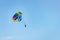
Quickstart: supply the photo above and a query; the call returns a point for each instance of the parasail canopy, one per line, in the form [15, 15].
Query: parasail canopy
[17, 17]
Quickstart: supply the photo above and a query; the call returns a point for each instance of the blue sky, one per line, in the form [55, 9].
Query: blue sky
[42, 18]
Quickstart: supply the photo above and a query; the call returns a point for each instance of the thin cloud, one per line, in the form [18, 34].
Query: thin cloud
[6, 38]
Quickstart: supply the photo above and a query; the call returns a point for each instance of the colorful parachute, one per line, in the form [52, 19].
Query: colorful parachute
[18, 17]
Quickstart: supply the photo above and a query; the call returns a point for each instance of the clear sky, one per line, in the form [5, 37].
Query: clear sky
[42, 18]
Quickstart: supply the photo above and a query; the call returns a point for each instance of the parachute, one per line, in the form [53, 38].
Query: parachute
[18, 17]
